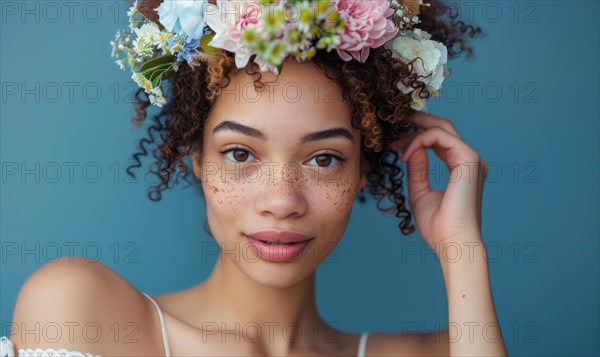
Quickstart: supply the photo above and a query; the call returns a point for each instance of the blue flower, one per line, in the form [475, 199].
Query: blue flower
[184, 17]
[169, 16]
[189, 49]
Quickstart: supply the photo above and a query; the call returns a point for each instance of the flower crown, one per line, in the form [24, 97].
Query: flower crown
[269, 31]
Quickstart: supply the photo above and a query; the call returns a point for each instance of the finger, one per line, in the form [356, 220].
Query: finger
[484, 171]
[424, 121]
[428, 121]
[418, 175]
[462, 187]
[448, 147]
[481, 170]
[402, 143]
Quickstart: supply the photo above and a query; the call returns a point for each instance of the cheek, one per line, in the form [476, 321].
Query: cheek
[335, 193]
[224, 196]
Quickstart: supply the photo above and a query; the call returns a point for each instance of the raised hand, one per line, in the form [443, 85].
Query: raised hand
[453, 215]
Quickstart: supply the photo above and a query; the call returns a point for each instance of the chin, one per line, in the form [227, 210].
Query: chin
[278, 274]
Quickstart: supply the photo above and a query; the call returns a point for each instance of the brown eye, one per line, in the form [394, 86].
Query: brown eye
[237, 155]
[327, 161]
[323, 160]
[240, 155]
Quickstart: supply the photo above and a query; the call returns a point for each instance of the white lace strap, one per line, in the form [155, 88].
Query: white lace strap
[7, 350]
[6, 347]
[362, 344]
[49, 352]
[162, 325]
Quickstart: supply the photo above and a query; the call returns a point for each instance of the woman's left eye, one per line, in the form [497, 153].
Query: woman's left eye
[326, 160]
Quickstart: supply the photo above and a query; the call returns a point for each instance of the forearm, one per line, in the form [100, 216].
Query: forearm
[473, 328]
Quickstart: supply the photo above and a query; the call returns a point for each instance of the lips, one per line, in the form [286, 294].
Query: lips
[278, 246]
[279, 237]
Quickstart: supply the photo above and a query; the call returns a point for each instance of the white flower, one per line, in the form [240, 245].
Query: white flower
[132, 61]
[138, 78]
[419, 35]
[176, 45]
[162, 40]
[148, 38]
[156, 97]
[432, 55]
[150, 32]
[121, 63]
[133, 9]
[143, 48]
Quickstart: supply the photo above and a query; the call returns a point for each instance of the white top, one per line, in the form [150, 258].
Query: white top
[362, 344]
[163, 327]
[7, 348]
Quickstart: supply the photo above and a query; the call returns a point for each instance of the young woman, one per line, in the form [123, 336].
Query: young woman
[286, 121]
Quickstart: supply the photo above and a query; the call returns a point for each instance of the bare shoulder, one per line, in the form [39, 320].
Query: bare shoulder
[85, 306]
[405, 344]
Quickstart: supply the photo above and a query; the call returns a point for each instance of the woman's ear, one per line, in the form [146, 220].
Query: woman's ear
[365, 168]
[363, 182]
[197, 164]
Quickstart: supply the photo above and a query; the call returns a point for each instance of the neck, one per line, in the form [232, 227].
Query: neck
[281, 319]
[250, 301]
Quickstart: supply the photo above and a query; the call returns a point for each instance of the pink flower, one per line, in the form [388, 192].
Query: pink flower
[368, 25]
[228, 22]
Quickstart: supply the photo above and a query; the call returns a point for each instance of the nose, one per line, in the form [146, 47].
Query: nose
[282, 196]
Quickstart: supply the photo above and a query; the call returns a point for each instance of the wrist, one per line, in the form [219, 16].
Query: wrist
[471, 268]
[461, 252]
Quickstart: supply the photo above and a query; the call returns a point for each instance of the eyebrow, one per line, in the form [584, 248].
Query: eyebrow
[239, 128]
[328, 134]
[311, 137]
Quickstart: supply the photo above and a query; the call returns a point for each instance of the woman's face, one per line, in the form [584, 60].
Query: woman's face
[286, 159]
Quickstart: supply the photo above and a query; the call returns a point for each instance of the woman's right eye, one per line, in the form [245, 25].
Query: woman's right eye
[237, 155]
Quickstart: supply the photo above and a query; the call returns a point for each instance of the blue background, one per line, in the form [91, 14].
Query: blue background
[532, 114]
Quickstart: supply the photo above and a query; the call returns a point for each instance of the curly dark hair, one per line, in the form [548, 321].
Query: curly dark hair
[379, 109]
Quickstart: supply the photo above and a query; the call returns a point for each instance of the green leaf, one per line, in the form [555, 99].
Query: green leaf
[156, 81]
[166, 59]
[169, 74]
[148, 72]
[160, 74]
[206, 47]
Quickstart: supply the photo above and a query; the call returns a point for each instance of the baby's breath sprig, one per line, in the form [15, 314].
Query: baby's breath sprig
[151, 56]
[406, 13]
